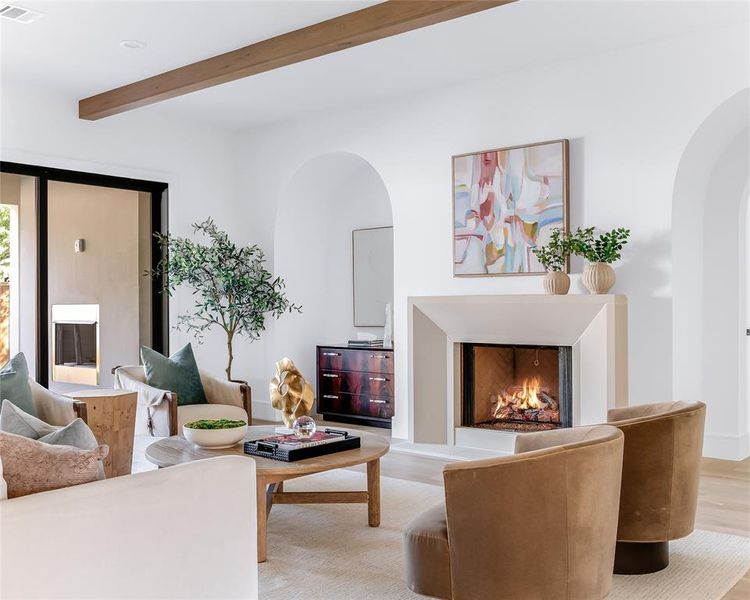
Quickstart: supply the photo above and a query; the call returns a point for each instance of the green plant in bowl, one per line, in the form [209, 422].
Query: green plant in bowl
[215, 433]
[215, 424]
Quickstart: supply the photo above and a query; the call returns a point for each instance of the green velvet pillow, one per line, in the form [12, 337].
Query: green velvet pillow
[178, 374]
[14, 384]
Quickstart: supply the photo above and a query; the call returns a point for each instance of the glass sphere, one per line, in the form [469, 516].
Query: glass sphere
[304, 427]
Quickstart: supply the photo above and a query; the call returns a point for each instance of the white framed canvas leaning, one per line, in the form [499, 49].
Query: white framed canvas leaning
[506, 202]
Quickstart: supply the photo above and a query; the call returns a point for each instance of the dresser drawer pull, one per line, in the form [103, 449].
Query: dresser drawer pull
[377, 379]
[378, 401]
[331, 353]
[381, 356]
[330, 375]
[330, 396]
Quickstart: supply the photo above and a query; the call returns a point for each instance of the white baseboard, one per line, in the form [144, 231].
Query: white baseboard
[726, 446]
[265, 412]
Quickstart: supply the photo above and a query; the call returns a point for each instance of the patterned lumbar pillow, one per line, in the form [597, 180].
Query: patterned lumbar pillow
[178, 374]
[14, 384]
[29, 466]
[77, 433]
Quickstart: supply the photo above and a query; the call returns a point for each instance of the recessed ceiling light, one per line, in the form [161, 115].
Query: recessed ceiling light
[133, 44]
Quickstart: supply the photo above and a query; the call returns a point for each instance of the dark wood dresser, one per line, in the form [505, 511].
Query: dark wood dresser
[355, 385]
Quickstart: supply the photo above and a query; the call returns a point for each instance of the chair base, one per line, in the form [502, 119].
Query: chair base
[639, 558]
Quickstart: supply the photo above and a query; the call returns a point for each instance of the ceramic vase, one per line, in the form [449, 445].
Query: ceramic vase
[598, 277]
[556, 283]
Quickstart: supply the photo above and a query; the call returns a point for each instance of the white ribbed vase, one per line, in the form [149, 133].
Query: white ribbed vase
[598, 277]
[556, 283]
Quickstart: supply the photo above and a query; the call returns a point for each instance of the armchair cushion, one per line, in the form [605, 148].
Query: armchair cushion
[52, 408]
[30, 466]
[14, 383]
[178, 373]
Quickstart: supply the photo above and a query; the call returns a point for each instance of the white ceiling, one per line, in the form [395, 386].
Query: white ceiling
[75, 47]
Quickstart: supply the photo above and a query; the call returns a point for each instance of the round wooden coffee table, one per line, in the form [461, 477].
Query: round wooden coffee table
[271, 474]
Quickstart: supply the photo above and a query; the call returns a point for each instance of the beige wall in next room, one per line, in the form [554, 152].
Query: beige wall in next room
[108, 272]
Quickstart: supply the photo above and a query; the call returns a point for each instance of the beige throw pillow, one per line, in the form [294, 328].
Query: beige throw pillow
[30, 466]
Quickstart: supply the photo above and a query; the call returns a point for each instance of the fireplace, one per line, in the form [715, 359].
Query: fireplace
[75, 344]
[515, 387]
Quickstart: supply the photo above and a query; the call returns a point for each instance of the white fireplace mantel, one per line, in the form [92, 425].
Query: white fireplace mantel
[595, 326]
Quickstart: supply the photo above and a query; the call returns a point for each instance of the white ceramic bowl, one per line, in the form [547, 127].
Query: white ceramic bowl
[215, 439]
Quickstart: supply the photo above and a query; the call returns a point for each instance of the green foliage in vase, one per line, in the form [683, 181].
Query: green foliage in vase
[605, 247]
[554, 254]
[231, 286]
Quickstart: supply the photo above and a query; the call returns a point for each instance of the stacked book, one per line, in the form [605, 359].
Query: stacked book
[366, 343]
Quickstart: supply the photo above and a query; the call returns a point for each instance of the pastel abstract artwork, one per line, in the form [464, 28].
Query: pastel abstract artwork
[505, 203]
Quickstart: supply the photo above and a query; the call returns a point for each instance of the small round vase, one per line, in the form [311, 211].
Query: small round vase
[556, 283]
[598, 277]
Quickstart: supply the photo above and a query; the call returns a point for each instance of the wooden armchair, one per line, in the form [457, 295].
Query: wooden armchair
[159, 413]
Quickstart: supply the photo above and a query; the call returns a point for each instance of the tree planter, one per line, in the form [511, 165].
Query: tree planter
[556, 283]
[598, 277]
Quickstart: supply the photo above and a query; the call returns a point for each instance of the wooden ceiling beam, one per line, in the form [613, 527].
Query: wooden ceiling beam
[352, 29]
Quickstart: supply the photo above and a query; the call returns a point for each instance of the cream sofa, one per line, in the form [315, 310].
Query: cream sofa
[184, 532]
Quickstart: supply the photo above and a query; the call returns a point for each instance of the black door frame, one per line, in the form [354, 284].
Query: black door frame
[159, 223]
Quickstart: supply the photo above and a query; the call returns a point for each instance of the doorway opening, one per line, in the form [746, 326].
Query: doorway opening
[84, 300]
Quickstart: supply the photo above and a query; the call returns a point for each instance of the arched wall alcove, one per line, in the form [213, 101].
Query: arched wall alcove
[709, 253]
[323, 202]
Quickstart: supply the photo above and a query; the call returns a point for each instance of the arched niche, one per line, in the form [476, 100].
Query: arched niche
[325, 199]
[709, 255]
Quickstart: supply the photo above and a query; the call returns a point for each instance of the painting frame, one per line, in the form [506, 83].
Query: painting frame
[565, 191]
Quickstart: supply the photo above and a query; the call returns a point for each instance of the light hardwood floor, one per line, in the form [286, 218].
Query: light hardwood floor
[723, 501]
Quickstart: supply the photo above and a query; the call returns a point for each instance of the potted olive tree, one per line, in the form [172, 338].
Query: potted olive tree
[554, 257]
[232, 289]
[600, 252]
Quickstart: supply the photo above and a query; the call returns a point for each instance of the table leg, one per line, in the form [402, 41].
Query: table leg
[373, 493]
[262, 518]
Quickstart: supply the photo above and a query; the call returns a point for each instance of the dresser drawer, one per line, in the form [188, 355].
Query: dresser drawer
[378, 385]
[370, 360]
[357, 405]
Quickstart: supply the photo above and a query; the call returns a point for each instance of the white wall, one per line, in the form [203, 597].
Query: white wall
[323, 202]
[723, 313]
[708, 274]
[629, 115]
[40, 126]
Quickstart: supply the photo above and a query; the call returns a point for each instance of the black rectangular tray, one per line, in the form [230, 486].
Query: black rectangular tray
[275, 453]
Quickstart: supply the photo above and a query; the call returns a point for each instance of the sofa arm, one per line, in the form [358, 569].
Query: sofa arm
[184, 532]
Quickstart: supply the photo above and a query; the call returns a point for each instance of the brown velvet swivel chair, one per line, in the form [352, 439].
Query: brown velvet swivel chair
[538, 524]
[660, 473]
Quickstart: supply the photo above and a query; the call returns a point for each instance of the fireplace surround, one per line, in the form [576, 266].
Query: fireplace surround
[593, 327]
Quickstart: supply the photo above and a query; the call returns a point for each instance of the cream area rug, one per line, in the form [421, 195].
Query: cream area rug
[327, 552]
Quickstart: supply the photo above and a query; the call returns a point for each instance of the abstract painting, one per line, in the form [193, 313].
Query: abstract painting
[505, 203]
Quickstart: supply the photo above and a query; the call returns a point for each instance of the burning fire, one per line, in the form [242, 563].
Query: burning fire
[526, 402]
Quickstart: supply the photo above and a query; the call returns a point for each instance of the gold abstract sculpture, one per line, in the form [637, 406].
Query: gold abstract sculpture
[290, 393]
